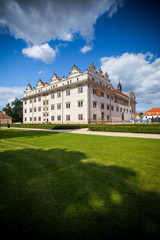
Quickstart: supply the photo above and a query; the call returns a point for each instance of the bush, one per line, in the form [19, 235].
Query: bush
[49, 126]
[70, 126]
[132, 128]
[66, 126]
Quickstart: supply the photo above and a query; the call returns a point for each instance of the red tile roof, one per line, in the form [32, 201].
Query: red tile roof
[121, 92]
[152, 111]
[4, 116]
[137, 114]
[44, 83]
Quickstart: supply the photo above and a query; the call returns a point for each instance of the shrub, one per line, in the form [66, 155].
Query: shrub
[132, 128]
[49, 126]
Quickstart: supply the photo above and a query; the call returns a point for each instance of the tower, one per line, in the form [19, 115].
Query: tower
[119, 87]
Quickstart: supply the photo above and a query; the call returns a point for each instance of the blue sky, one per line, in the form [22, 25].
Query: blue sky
[38, 38]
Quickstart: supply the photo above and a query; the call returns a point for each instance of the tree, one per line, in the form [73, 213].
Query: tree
[141, 114]
[8, 110]
[15, 110]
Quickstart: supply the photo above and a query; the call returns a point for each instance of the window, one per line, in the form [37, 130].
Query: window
[107, 95]
[30, 118]
[80, 90]
[52, 95]
[39, 99]
[94, 117]
[94, 91]
[93, 79]
[25, 102]
[102, 105]
[25, 110]
[102, 94]
[52, 118]
[68, 105]
[31, 101]
[39, 109]
[80, 116]
[30, 109]
[117, 109]
[45, 114]
[67, 92]
[102, 116]
[35, 109]
[120, 109]
[67, 117]
[112, 108]
[107, 117]
[94, 104]
[35, 100]
[58, 94]
[107, 106]
[25, 119]
[59, 117]
[52, 107]
[80, 103]
[35, 119]
[58, 105]
[77, 79]
[39, 118]
[111, 97]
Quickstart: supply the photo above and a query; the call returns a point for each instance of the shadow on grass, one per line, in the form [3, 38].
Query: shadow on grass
[13, 133]
[57, 194]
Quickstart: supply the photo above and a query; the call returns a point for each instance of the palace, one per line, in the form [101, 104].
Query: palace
[82, 97]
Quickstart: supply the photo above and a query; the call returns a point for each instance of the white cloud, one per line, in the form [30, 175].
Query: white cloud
[7, 95]
[86, 49]
[139, 72]
[43, 52]
[41, 21]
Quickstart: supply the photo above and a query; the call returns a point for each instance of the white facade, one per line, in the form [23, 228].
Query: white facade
[82, 97]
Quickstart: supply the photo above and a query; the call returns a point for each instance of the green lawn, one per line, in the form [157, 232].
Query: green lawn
[72, 186]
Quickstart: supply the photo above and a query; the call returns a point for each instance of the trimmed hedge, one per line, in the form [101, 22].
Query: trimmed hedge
[131, 128]
[40, 126]
[67, 126]
[49, 126]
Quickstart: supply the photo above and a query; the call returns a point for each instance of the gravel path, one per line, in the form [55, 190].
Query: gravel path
[85, 131]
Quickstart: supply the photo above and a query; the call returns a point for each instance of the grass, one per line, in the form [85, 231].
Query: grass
[71, 186]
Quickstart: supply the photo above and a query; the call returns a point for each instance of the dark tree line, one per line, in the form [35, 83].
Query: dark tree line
[14, 110]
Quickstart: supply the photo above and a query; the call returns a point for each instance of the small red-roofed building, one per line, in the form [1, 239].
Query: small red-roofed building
[137, 116]
[153, 113]
[5, 119]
